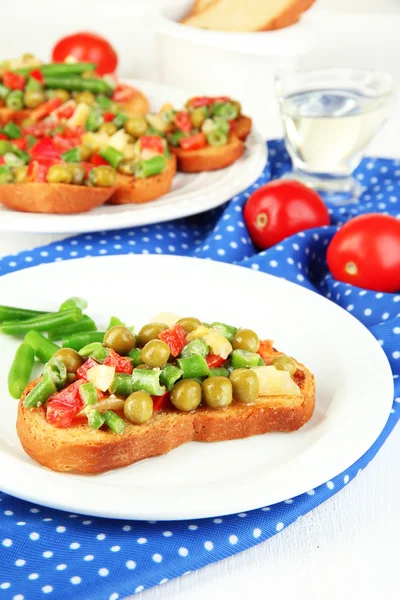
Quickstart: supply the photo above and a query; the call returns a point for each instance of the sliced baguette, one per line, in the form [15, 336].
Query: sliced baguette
[243, 127]
[138, 191]
[79, 449]
[248, 15]
[209, 158]
[53, 198]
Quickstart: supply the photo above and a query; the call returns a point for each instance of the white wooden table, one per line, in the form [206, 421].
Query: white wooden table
[348, 547]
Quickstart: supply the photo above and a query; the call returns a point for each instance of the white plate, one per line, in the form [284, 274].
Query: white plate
[190, 194]
[354, 389]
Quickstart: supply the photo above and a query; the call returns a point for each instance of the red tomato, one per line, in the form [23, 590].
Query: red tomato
[266, 351]
[3, 136]
[193, 142]
[38, 75]
[108, 116]
[123, 93]
[98, 160]
[366, 252]
[36, 171]
[44, 148]
[152, 142]
[87, 47]
[214, 361]
[63, 407]
[161, 402]
[182, 121]
[175, 338]
[280, 209]
[14, 81]
[200, 101]
[122, 365]
[21, 143]
[45, 109]
[83, 369]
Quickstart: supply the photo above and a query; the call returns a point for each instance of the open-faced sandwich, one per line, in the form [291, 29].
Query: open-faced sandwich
[123, 397]
[69, 157]
[26, 84]
[207, 135]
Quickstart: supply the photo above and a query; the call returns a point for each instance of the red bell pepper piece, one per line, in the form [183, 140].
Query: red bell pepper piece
[98, 160]
[63, 407]
[183, 121]
[161, 402]
[266, 351]
[122, 365]
[45, 109]
[221, 99]
[232, 125]
[83, 369]
[37, 171]
[37, 75]
[108, 116]
[155, 143]
[44, 148]
[88, 167]
[40, 129]
[123, 93]
[14, 81]
[3, 136]
[193, 142]
[2, 161]
[200, 101]
[65, 111]
[21, 143]
[175, 338]
[214, 361]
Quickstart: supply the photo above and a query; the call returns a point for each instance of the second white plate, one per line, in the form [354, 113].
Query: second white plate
[190, 194]
[198, 479]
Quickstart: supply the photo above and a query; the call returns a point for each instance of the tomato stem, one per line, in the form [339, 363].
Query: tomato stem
[261, 220]
[351, 268]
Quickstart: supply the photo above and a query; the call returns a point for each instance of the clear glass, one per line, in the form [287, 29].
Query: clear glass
[329, 117]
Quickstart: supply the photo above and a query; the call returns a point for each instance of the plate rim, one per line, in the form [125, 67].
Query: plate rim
[180, 513]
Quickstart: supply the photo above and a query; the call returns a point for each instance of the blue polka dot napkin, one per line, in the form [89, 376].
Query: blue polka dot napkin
[48, 553]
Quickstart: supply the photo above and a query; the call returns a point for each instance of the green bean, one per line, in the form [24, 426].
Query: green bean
[79, 340]
[20, 370]
[45, 322]
[114, 422]
[88, 393]
[15, 100]
[86, 324]
[121, 385]
[100, 354]
[135, 355]
[89, 348]
[43, 348]
[78, 84]
[74, 302]
[60, 69]
[57, 371]
[41, 392]
[115, 321]
[13, 313]
[147, 381]
[95, 419]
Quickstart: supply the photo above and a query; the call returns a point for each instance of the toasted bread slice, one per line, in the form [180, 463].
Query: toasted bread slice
[54, 198]
[79, 449]
[248, 15]
[137, 105]
[243, 127]
[200, 5]
[138, 191]
[8, 114]
[209, 158]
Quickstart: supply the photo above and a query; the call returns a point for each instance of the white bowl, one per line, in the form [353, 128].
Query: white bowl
[241, 65]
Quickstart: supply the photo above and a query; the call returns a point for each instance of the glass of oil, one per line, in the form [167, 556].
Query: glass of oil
[329, 118]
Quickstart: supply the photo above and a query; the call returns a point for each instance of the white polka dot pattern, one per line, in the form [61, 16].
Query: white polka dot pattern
[46, 553]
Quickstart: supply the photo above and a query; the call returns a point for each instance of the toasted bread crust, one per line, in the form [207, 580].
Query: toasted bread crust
[243, 127]
[210, 158]
[288, 17]
[138, 191]
[53, 198]
[80, 450]
[137, 105]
